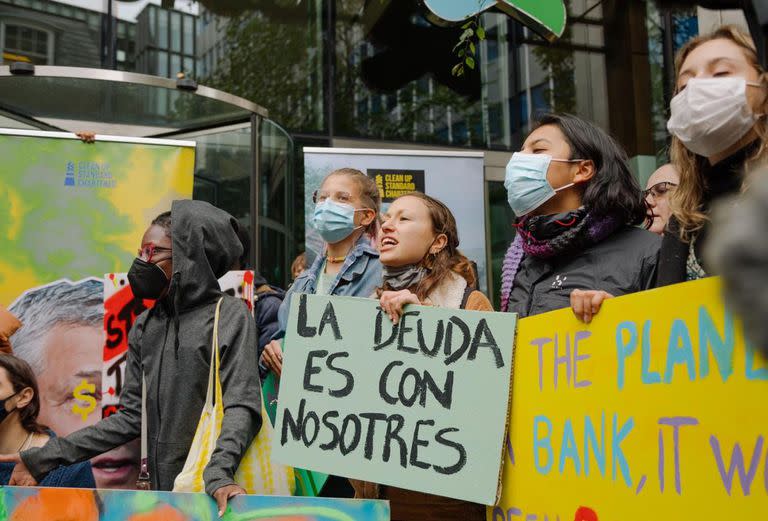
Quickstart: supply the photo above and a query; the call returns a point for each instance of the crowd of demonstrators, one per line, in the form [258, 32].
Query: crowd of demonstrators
[182, 255]
[419, 244]
[657, 192]
[62, 339]
[719, 134]
[20, 429]
[586, 232]
[578, 207]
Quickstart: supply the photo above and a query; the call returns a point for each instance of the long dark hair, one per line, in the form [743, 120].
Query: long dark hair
[21, 376]
[613, 190]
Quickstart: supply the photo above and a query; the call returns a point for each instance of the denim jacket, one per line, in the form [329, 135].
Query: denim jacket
[359, 276]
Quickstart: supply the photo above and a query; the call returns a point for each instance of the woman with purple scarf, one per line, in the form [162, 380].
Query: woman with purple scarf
[578, 207]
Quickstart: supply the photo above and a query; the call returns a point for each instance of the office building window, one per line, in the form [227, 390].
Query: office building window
[175, 31]
[24, 43]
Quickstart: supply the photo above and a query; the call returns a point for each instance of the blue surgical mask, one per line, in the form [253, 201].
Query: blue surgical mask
[334, 221]
[526, 181]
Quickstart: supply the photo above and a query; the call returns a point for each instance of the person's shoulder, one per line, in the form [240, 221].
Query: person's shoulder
[139, 324]
[77, 475]
[638, 240]
[477, 301]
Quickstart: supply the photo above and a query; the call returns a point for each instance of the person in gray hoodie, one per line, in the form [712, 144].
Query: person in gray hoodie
[179, 264]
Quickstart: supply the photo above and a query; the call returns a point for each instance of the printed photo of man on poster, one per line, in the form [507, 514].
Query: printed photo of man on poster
[62, 338]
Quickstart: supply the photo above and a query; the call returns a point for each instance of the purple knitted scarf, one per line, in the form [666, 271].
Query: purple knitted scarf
[567, 234]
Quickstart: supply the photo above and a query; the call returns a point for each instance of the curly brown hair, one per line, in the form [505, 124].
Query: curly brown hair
[449, 259]
[688, 196]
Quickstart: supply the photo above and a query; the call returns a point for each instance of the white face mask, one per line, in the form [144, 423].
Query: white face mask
[711, 114]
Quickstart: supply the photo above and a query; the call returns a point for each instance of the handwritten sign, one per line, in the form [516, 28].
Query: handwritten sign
[394, 183]
[421, 405]
[657, 410]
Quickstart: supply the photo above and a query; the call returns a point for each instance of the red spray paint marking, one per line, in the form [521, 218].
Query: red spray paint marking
[585, 514]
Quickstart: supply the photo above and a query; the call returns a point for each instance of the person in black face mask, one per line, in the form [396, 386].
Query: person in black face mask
[181, 257]
[20, 430]
[151, 272]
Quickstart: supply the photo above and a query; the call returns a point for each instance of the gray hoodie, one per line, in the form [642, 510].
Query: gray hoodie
[205, 246]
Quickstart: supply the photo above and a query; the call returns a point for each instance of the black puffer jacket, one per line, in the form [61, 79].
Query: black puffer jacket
[623, 263]
[205, 245]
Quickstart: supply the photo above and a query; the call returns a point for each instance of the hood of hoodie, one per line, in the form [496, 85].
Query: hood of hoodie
[205, 247]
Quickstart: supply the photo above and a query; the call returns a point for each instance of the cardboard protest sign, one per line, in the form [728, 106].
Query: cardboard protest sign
[657, 410]
[421, 405]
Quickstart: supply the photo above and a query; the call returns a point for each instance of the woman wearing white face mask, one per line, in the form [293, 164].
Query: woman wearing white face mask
[719, 131]
[577, 205]
[347, 206]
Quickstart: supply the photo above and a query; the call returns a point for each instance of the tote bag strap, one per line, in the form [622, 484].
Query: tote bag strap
[214, 382]
[143, 481]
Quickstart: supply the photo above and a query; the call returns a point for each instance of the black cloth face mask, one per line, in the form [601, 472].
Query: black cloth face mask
[3, 412]
[147, 280]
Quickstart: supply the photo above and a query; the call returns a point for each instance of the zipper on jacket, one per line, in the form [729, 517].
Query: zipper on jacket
[157, 403]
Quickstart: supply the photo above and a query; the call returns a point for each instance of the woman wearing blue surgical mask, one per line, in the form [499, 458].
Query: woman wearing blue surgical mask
[347, 206]
[578, 207]
[719, 128]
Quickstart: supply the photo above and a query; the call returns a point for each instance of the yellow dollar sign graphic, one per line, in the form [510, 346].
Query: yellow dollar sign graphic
[86, 402]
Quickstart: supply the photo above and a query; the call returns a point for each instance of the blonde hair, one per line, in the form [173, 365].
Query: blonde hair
[686, 200]
[369, 194]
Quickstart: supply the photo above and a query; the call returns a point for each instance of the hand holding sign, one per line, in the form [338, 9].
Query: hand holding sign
[272, 357]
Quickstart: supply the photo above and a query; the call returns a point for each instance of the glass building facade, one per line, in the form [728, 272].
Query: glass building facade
[372, 73]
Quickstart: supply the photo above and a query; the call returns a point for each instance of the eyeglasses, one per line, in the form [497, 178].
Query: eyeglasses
[320, 196]
[659, 189]
[147, 251]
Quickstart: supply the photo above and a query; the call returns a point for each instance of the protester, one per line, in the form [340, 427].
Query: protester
[20, 430]
[9, 324]
[299, 265]
[660, 186]
[577, 205]
[719, 131]
[422, 265]
[62, 339]
[179, 264]
[418, 249]
[347, 206]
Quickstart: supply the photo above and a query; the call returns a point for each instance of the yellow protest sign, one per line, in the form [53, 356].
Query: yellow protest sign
[656, 410]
